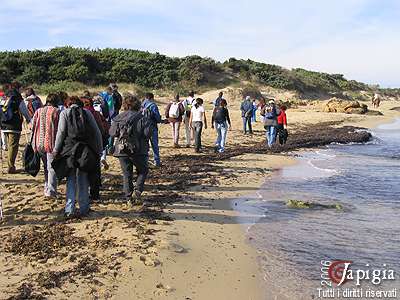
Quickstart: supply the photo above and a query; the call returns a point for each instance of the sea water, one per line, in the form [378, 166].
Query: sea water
[365, 180]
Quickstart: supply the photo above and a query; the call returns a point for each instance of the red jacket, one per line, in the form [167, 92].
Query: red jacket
[282, 118]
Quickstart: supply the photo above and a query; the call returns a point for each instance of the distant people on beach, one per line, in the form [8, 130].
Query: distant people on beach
[247, 110]
[254, 112]
[174, 113]
[198, 120]
[188, 104]
[220, 121]
[282, 125]
[132, 131]
[150, 110]
[271, 122]
[376, 100]
[217, 101]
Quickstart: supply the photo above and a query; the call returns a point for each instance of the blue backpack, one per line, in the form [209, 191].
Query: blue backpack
[7, 112]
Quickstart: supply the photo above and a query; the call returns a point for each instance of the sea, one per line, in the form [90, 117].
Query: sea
[297, 246]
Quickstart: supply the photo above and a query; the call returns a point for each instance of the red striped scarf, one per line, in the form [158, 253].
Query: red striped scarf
[44, 128]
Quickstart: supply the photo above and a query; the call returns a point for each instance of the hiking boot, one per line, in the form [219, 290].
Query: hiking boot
[12, 170]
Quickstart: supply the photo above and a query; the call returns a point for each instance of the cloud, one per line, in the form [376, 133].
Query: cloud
[354, 37]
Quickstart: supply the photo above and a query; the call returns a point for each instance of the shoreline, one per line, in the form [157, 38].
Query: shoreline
[189, 245]
[368, 124]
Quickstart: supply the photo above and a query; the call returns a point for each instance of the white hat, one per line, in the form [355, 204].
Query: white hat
[247, 97]
[271, 101]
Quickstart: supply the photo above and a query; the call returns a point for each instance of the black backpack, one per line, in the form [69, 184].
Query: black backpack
[219, 115]
[128, 139]
[77, 121]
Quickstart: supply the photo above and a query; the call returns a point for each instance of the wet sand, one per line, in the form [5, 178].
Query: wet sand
[188, 245]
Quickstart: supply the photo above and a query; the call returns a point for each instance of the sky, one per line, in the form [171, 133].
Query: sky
[357, 38]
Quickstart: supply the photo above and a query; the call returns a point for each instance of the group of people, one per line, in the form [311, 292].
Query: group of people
[273, 117]
[73, 135]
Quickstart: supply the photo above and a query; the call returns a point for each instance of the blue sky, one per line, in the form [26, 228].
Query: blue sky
[358, 38]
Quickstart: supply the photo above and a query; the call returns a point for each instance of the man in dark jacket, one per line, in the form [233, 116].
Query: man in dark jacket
[116, 97]
[247, 110]
[11, 123]
[132, 131]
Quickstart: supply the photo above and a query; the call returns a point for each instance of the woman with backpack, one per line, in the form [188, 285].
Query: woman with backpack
[44, 131]
[132, 131]
[77, 150]
[174, 113]
[198, 120]
[104, 127]
[221, 120]
[282, 125]
[270, 123]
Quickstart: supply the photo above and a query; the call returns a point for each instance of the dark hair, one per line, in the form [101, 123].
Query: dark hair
[62, 98]
[52, 99]
[30, 91]
[109, 89]
[199, 102]
[113, 86]
[177, 97]
[283, 107]
[191, 93]
[73, 100]
[223, 103]
[149, 96]
[86, 94]
[131, 102]
[221, 93]
[15, 85]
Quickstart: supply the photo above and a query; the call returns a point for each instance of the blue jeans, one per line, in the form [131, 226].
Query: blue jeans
[247, 123]
[154, 146]
[271, 135]
[77, 186]
[50, 178]
[222, 129]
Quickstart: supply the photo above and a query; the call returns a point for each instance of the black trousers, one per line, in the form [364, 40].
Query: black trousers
[140, 162]
[95, 183]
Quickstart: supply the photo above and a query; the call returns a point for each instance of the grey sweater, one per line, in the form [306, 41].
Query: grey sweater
[95, 141]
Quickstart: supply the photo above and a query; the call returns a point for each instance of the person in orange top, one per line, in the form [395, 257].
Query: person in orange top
[282, 125]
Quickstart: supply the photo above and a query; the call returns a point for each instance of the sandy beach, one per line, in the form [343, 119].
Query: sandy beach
[189, 245]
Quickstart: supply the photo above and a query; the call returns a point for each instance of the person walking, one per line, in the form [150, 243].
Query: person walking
[132, 131]
[220, 120]
[218, 100]
[188, 104]
[11, 123]
[104, 127]
[77, 149]
[150, 110]
[44, 130]
[254, 112]
[282, 125]
[174, 113]
[270, 123]
[198, 120]
[117, 98]
[247, 109]
[30, 105]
